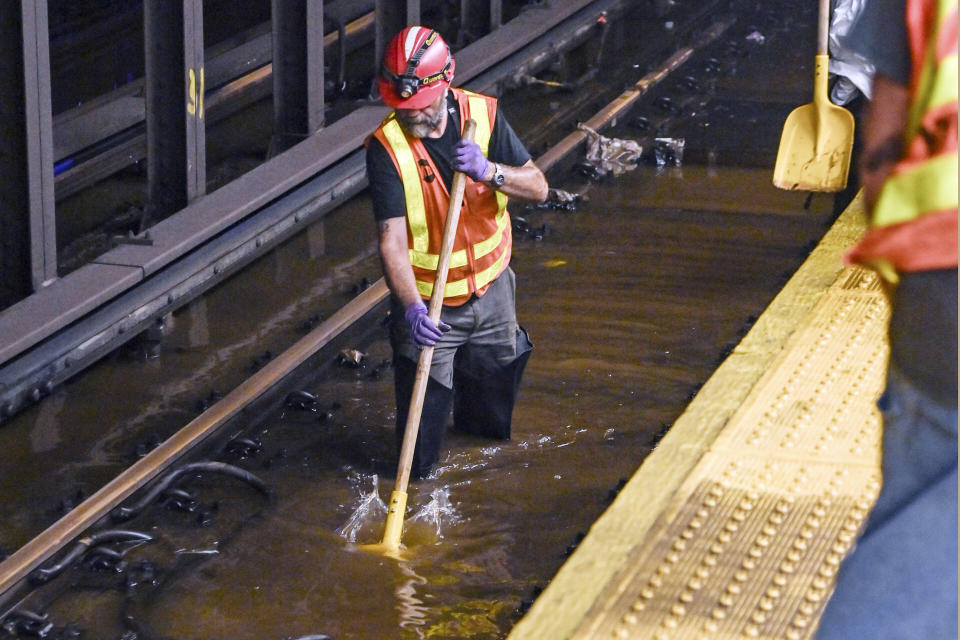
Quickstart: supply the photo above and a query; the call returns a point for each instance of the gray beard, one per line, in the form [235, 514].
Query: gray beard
[421, 129]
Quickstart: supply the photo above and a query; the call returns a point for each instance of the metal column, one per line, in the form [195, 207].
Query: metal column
[477, 18]
[176, 138]
[392, 16]
[496, 14]
[297, 71]
[28, 249]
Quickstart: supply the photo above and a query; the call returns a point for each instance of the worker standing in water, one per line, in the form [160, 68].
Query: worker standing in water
[479, 349]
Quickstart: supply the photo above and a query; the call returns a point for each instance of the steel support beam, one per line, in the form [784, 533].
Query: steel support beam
[496, 14]
[176, 142]
[476, 19]
[28, 234]
[297, 71]
[14, 194]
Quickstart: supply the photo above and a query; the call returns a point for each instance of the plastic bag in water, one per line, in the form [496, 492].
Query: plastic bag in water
[668, 152]
[611, 155]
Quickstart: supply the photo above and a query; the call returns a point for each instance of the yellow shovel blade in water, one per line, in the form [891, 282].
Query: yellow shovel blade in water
[816, 143]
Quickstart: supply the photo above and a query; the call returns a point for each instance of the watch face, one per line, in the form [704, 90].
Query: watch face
[498, 177]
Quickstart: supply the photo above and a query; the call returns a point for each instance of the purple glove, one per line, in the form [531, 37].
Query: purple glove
[425, 332]
[469, 160]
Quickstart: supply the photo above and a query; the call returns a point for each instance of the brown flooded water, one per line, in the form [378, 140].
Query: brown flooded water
[631, 300]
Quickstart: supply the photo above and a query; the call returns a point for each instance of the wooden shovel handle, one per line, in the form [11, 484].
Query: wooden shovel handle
[823, 30]
[436, 304]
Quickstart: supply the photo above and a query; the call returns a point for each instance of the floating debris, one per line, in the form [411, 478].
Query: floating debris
[611, 155]
[302, 400]
[361, 286]
[310, 323]
[712, 65]
[641, 123]
[590, 171]
[244, 447]
[558, 199]
[668, 152]
[692, 83]
[353, 358]
[666, 103]
[525, 229]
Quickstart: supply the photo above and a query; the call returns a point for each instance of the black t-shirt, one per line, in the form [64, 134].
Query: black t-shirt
[386, 188]
[923, 332]
[880, 36]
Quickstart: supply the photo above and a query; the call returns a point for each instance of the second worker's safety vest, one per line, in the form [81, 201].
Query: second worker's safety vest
[481, 248]
[914, 223]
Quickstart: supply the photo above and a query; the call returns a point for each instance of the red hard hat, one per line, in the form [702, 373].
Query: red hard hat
[417, 67]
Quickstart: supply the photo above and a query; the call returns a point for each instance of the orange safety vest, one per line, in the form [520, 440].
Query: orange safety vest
[914, 224]
[481, 248]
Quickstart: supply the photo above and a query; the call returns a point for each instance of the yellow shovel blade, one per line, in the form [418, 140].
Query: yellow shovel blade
[815, 149]
[816, 143]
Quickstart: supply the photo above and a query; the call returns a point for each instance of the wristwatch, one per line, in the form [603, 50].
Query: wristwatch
[497, 180]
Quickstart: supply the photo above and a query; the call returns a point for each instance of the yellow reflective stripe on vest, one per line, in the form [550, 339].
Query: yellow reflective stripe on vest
[430, 261]
[478, 111]
[936, 89]
[944, 89]
[452, 290]
[485, 277]
[938, 80]
[412, 191]
[928, 187]
[484, 247]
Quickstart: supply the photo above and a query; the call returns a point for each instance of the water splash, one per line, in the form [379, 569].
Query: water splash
[365, 524]
[431, 519]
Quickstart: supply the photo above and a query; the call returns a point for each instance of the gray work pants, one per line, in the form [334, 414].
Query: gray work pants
[486, 324]
[477, 366]
[901, 581]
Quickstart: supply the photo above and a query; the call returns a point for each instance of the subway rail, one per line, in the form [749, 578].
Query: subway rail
[98, 541]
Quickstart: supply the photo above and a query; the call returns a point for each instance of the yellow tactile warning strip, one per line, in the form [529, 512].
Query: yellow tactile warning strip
[773, 507]
[735, 526]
